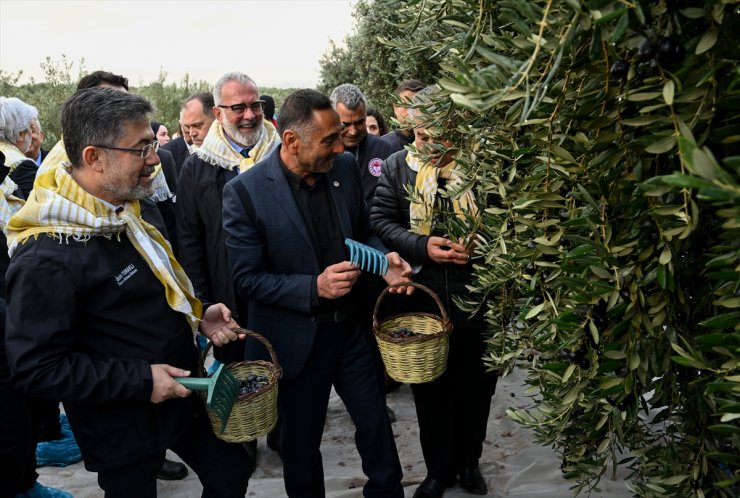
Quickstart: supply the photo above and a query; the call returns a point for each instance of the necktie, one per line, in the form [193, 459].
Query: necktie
[245, 151]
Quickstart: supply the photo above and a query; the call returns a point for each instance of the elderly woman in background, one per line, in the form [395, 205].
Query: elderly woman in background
[453, 409]
[16, 118]
[375, 123]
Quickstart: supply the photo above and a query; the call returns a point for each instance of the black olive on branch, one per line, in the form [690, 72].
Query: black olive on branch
[619, 70]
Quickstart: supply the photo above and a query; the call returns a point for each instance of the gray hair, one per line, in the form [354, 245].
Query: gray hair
[349, 95]
[15, 118]
[98, 116]
[234, 76]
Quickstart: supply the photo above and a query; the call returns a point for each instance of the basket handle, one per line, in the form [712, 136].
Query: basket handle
[250, 333]
[406, 284]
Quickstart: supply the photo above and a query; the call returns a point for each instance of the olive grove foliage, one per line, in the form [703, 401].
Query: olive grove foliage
[602, 137]
[60, 81]
[365, 59]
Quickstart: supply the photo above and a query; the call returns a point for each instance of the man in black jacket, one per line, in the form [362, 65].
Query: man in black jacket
[286, 221]
[453, 409]
[196, 117]
[369, 151]
[239, 138]
[119, 313]
[36, 153]
[398, 139]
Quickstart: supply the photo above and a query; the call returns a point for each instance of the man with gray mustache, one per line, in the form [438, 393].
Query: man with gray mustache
[236, 140]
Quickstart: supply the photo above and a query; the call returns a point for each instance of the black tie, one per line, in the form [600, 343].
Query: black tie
[245, 151]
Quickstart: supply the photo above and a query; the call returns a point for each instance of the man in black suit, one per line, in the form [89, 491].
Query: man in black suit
[36, 152]
[286, 220]
[196, 117]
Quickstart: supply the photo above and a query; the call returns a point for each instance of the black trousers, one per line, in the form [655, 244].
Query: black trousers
[340, 356]
[223, 468]
[17, 446]
[453, 409]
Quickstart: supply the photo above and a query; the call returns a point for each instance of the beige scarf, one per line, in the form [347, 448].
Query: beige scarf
[421, 209]
[13, 155]
[217, 150]
[60, 208]
[9, 204]
[58, 156]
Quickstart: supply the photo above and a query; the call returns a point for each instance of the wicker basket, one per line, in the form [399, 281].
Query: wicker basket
[253, 414]
[416, 359]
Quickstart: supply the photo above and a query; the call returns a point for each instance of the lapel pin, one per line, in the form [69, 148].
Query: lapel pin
[336, 183]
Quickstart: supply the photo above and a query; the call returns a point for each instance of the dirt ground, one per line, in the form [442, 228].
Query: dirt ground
[514, 466]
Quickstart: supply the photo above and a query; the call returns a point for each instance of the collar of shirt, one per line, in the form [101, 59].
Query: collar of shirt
[238, 148]
[38, 158]
[115, 208]
[295, 181]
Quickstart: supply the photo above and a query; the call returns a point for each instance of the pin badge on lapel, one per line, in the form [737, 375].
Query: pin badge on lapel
[336, 183]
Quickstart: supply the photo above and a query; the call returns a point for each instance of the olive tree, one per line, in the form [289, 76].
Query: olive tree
[602, 139]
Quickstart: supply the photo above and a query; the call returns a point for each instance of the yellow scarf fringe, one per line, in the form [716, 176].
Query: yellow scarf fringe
[59, 207]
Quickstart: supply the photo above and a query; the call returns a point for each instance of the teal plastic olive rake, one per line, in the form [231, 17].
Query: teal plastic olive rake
[367, 258]
[223, 391]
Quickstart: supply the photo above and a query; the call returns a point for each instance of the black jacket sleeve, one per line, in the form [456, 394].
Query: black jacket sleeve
[191, 232]
[24, 175]
[390, 211]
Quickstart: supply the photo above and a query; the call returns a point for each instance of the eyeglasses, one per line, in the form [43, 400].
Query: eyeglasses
[256, 107]
[144, 152]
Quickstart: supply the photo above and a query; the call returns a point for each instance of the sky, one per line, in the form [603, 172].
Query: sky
[277, 43]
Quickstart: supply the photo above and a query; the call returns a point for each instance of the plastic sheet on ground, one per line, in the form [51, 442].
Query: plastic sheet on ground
[514, 466]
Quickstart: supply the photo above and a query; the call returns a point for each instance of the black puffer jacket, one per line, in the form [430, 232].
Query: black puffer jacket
[391, 221]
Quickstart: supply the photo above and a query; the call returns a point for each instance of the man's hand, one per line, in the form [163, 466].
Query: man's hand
[399, 271]
[164, 386]
[218, 325]
[442, 250]
[337, 280]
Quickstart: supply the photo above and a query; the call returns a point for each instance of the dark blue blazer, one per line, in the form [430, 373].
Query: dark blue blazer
[272, 256]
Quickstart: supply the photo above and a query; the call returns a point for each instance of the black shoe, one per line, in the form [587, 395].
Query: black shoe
[432, 488]
[472, 481]
[172, 471]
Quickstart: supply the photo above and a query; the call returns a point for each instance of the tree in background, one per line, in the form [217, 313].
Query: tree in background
[370, 60]
[603, 139]
[60, 82]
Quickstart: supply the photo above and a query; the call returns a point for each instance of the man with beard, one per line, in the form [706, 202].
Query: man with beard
[369, 151]
[286, 221]
[238, 138]
[119, 313]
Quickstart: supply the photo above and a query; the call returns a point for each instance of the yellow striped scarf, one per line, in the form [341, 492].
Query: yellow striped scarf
[13, 155]
[60, 208]
[217, 150]
[421, 209]
[9, 204]
[57, 156]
